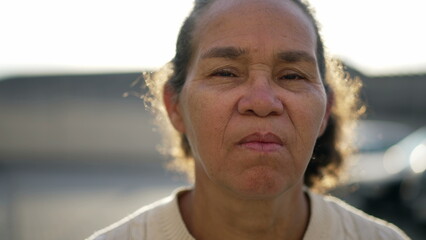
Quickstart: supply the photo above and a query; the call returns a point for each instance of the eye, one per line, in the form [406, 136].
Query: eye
[292, 76]
[223, 73]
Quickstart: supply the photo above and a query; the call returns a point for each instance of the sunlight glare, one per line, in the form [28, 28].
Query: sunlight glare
[418, 158]
[374, 36]
[128, 34]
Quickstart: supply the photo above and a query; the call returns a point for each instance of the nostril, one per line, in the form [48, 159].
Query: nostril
[250, 112]
[260, 98]
[260, 106]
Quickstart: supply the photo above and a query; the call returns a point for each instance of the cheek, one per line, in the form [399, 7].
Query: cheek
[205, 119]
[308, 115]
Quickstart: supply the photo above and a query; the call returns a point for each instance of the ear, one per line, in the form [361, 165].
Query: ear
[171, 103]
[330, 101]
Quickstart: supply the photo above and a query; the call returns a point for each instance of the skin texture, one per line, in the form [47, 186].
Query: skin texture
[252, 107]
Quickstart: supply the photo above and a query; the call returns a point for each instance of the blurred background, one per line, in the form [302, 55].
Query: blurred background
[76, 155]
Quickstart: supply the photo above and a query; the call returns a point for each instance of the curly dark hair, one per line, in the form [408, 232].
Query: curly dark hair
[330, 149]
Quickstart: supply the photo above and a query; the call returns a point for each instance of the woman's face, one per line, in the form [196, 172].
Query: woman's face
[253, 103]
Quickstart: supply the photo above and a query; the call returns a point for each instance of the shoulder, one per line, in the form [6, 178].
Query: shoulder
[331, 217]
[159, 217]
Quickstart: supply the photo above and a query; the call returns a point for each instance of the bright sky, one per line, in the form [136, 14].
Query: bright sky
[57, 36]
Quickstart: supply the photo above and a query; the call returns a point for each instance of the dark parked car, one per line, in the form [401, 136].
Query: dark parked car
[394, 178]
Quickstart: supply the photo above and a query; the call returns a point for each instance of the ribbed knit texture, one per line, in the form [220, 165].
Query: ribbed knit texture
[330, 219]
[171, 222]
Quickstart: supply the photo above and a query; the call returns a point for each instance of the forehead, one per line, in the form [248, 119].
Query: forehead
[260, 23]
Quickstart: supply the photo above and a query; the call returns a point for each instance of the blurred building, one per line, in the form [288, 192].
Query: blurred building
[399, 98]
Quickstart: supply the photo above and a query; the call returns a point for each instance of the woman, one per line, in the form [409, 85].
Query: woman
[259, 121]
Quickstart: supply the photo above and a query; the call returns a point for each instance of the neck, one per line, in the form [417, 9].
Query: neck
[214, 213]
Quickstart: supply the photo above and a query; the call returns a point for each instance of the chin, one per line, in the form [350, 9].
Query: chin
[262, 183]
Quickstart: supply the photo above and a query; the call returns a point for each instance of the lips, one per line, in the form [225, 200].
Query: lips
[267, 142]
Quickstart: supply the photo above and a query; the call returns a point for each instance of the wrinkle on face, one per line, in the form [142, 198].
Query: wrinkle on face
[259, 53]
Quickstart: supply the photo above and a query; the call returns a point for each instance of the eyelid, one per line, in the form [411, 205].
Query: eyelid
[291, 72]
[224, 70]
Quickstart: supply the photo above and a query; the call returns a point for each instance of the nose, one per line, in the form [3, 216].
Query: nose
[260, 99]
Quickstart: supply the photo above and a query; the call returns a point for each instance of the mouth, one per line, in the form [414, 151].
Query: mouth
[259, 142]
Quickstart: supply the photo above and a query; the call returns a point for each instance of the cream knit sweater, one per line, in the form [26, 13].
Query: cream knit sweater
[330, 219]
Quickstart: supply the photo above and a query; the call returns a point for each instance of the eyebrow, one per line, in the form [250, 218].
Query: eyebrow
[224, 52]
[234, 52]
[296, 56]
